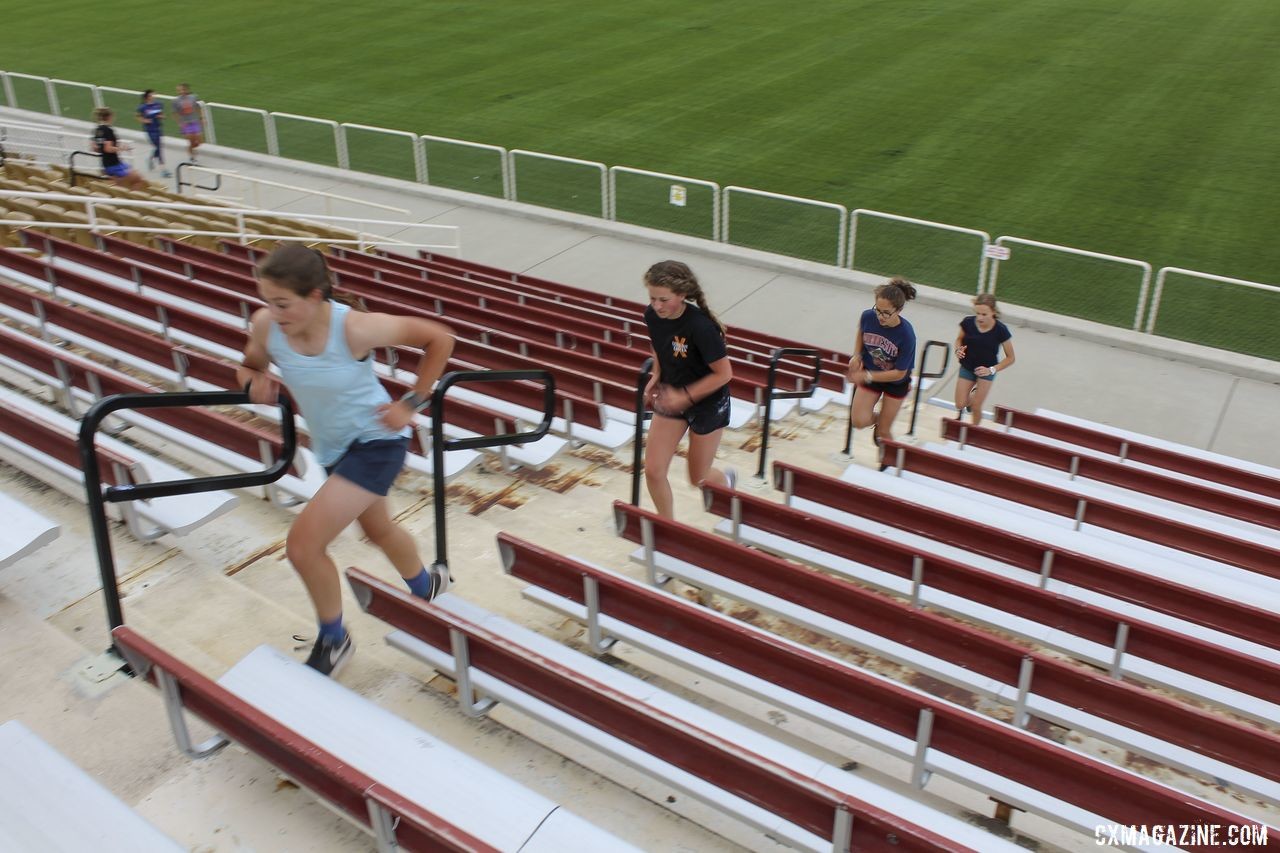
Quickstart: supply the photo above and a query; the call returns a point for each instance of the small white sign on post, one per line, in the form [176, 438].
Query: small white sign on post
[679, 195]
[1000, 253]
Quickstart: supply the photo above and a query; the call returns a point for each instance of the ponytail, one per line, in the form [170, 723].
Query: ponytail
[680, 280]
[898, 291]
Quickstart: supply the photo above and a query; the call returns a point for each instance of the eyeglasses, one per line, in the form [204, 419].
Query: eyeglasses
[880, 312]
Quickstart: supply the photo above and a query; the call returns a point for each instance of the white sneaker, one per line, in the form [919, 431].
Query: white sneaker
[440, 581]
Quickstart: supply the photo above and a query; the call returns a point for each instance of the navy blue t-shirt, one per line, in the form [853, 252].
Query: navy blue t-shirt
[153, 110]
[686, 346]
[887, 347]
[982, 349]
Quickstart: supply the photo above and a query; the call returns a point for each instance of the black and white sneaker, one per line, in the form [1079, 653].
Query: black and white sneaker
[329, 656]
[440, 581]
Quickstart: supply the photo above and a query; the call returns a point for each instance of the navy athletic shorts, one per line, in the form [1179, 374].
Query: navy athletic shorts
[372, 465]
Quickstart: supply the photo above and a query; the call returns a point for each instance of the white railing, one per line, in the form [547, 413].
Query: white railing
[451, 235]
[1158, 294]
[514, 186]
[923, 223]
[270, 143]
[255, 183]
[339, 144]
[503, 160]
[415, 145]
[1068, 250]
[842, 212]
[677, 187]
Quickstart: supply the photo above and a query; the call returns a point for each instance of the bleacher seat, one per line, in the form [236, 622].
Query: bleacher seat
[399, 782]
[49, 805]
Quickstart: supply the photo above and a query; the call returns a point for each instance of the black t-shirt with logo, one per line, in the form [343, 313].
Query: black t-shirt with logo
[106, 133]
[686, 346]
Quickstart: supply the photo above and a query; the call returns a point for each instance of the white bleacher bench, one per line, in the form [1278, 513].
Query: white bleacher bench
[411, 790]
[765, 771]
[146, 519]
[1237, 572]
[935, 735]
[24, 530]
[831, 557]
[1172, 446]
[1083, 719]
[49, 805]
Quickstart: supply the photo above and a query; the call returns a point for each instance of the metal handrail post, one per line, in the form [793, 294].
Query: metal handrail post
[97, 497]
[921, 374]
[439, 444]
[642, 414]
[770, 395]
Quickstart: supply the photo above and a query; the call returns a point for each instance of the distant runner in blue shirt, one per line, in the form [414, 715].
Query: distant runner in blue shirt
[884, 351]
[978, 346]
[151, 115]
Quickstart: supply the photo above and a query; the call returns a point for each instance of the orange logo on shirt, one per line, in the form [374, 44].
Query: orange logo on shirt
[679, 347]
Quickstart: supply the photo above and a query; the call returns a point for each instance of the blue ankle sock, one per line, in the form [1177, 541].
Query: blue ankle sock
[420, 584]
[333, 631]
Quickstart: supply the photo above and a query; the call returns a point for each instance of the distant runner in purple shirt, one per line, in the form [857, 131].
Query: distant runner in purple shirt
[186, 109]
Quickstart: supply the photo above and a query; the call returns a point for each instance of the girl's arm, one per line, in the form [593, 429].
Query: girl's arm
[252, 373]
[1008, 360]
[960, 347]
[369, 331]
[720, 375]
[855, 361]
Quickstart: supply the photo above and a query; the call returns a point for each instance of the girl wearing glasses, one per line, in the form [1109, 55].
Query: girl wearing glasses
[978, 346]
[884, 350]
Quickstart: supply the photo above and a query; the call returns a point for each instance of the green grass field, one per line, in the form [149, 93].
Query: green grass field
[1141, 128]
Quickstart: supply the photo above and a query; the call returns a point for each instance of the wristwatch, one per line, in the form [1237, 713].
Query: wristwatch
[415, 400]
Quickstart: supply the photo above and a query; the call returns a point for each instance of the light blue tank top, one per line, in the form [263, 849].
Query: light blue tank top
[338, 395]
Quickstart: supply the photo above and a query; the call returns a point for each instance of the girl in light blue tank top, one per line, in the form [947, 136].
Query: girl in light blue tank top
[324, 351]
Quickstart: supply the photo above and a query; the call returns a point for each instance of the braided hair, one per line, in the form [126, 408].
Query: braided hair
[680, 280]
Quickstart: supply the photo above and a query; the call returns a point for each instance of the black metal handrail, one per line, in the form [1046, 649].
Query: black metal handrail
[439, 444]
[71, 166]
[770, 394]
[179, 183]
[642, 414]
[921, 374]
[97, 496]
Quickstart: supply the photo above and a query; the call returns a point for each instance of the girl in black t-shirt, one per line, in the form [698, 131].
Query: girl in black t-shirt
[978, 346]
[106, 144]
[689, 390]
